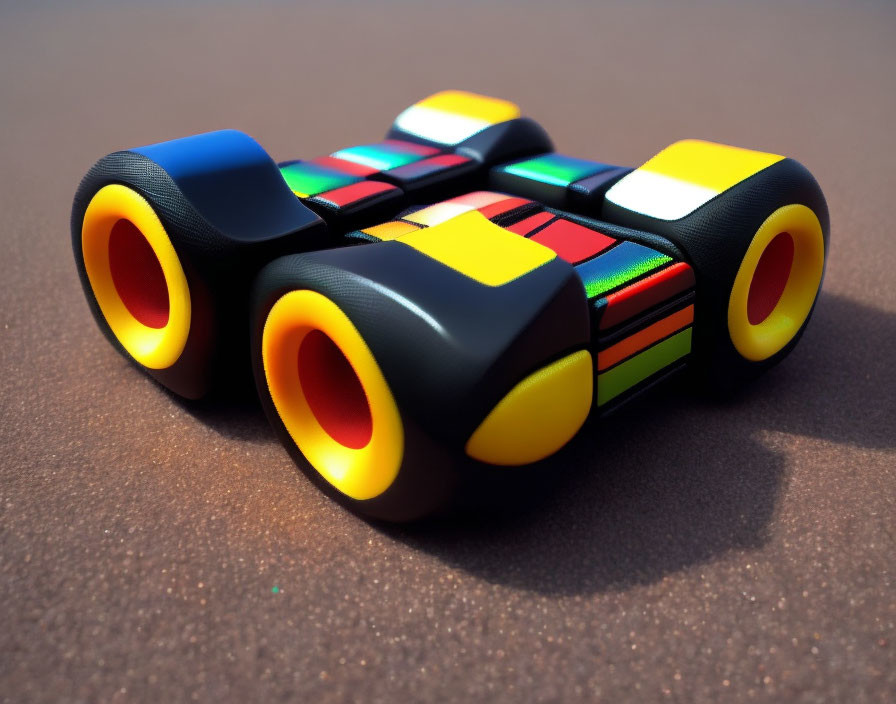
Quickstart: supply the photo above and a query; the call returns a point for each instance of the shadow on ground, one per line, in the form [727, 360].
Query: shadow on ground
[671, 481]
[676, 480]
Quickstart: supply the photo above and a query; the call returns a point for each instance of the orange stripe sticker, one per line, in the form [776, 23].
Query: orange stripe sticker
[644, 338]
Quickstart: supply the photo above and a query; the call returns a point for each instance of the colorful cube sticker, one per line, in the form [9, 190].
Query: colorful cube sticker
[555, 169]
[452, 116]
[307, 179]
[686, 176]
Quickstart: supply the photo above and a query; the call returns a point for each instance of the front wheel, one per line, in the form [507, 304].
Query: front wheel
[398, 374]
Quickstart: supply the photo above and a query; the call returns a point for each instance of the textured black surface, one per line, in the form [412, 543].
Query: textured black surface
[714, 239]
[687, 551]
[449, 347]
[219, 264]
[584, 196]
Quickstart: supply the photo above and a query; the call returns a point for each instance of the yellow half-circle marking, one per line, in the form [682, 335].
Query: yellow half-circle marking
[539, 415]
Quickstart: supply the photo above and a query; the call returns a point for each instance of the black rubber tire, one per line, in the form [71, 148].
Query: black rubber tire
[714, 239]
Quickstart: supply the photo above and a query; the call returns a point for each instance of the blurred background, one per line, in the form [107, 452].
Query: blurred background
[691, 550]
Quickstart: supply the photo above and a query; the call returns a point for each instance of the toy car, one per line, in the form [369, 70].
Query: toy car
[456, 297]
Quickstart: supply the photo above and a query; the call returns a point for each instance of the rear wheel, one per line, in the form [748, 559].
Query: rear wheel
[167, 239]
[777, 283]
[754, 226]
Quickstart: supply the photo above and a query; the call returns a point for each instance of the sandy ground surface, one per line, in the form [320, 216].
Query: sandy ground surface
[152, 550]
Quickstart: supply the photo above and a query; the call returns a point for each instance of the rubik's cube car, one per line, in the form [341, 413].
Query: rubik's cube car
[455, 297]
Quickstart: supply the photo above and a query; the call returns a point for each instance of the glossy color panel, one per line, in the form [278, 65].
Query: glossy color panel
[427, 167]
[348, 167]
[555, 169]
[503, 206]
[385, 155]
[571, 241]
[624, 304]
[714, 166]
[533, 222]
[307, 179]
[354, 193]
[685, 176]
[402, 145]
[659, 196]
[205, 166]
[450, 117]
[478, 248]
[645, 337]
[438, 213]
[621, 264]
[390, 230]
[642, 366]
[480, 199]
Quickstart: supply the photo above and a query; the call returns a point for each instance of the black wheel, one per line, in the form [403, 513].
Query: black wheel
[393, 378]
[166, 252]
[755, 228]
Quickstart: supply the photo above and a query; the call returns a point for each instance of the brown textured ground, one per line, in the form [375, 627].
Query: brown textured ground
[153, 551]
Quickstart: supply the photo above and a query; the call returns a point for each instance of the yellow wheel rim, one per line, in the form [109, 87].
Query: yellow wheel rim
[331, 395]
[136, 276]
[761, 328]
